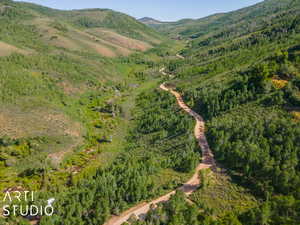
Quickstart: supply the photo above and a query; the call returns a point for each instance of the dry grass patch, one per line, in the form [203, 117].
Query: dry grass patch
[87, 41]
[17, 123]
[53, 36]
[278, 83]
[104, 42]
[120, 50]
[7, 49]
[120, 40]
[64, 42]
[220, 194]
[94, 42]
[296, 115]
[100, 49]
[70, 89]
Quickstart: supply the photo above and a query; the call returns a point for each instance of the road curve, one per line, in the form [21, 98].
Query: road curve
[190, 186]
[180, 56]
[162, 71]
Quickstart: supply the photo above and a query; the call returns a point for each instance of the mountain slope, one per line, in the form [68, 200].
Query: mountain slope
[100, 31]
[242, 73]
[261, 12]
[150, 21]
[62, 87]
[244, 79]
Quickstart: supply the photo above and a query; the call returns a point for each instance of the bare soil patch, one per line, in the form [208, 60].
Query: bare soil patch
[7, 49]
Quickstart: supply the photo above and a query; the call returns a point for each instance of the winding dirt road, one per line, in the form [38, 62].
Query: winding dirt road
[190, 186]
[180, 56]
[162, 71]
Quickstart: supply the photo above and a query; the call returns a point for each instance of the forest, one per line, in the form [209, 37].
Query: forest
[255, 136]
[129, 179]
[246, 85]
[138, 173]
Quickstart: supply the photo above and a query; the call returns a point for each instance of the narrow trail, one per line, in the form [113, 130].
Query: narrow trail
[162, 71]
[180, 56]
[191, 185]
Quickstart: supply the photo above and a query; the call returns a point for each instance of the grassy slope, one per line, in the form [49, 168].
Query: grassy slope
[81, 30]
[54, 80]
[101, 18]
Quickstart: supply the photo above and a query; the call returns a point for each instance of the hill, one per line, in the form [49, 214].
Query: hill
[241, 72]
[261, 12]
[101, 31]
[64, 76]
[150, 21]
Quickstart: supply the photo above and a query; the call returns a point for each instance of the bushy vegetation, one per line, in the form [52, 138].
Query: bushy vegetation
[92, 18]
[60, 108]
[119, 22]
[229, 75]
[153, 146]
[231, 25]
[178, 211]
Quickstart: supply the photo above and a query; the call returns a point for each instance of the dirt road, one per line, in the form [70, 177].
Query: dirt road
[162, 71]
[190, 186]
[179, 56]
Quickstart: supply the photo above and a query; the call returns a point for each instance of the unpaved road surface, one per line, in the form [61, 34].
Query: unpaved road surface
[179, 56]
[190, 186]
[162, 71]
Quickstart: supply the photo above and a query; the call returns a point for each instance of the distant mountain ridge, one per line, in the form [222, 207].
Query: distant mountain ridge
[193, 28]
[150, 21]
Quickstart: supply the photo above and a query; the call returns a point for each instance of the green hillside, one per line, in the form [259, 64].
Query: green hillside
[253, 17]
[100, 31]
[62, 88]
[100, 18]
[243, 77]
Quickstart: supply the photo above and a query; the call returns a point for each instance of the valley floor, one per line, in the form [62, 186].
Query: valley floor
[192, 184]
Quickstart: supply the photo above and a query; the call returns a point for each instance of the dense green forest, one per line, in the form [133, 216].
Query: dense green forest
[244, 79]
[253, 129]
[138, 173]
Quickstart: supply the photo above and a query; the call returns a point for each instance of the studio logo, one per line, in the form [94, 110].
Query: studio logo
[23, 203]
